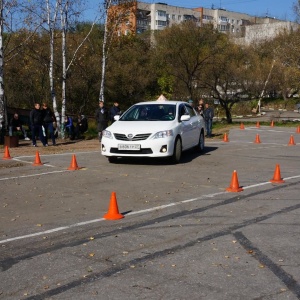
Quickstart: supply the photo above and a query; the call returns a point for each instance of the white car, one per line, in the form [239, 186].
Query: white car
[154, 129]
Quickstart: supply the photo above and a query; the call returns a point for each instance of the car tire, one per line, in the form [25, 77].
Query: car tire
[112, 159]
[201, 143]
[175, 158]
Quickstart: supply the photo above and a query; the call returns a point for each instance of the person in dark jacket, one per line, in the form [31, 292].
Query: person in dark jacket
[114, 111]
[48, 119]
[81, 126]
[208, 118]
[102, 118]
[15, 124]
[36, 121]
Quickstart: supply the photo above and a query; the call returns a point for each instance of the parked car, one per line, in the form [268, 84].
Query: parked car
[154, 129]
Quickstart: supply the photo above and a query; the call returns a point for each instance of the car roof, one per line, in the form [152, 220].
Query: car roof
[161, 102]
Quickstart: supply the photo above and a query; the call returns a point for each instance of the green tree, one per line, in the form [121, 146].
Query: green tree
[182, 52]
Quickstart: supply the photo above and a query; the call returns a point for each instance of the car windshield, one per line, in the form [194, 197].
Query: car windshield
[150, 112]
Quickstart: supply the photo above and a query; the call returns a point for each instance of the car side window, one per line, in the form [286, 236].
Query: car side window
[182, 111]
[190, 110]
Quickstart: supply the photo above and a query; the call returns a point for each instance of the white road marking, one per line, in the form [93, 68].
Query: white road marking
[29, 162]
[135, 212]
[34, 175]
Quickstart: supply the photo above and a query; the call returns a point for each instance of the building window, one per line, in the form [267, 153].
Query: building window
[161, 13]
[161, 23]
[173, 17]
[223, 19]
[179, 17]
[209, 18]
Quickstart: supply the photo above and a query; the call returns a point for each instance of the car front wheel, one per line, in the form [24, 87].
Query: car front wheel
[175, 158]
[112, 159]
[201, 143]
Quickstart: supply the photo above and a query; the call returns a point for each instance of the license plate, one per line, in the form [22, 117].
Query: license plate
[129, 147]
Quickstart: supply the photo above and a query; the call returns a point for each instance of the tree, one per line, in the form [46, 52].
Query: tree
[116, 13]
[129, 73]
[183, 50]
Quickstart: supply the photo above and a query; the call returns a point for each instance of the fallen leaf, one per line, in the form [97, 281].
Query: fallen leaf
[250, 251]
[92, 238]
[92, 254]
[39, 225]
[261, 266]
[234, 242]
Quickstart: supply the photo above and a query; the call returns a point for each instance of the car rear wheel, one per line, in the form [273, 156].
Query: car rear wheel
[201, 143]
[175, 158]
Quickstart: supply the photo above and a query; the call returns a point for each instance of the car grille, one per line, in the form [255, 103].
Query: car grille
[142, 151]
[138, 137]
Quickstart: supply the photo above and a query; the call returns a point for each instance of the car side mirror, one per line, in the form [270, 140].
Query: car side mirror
[185, 118]
[116, 117]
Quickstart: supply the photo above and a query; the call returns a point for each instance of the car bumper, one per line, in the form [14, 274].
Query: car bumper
[150, 148]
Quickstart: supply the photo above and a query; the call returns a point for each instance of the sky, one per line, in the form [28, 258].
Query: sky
[279, 9]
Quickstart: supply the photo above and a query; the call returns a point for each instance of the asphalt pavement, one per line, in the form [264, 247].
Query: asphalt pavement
[183, 236]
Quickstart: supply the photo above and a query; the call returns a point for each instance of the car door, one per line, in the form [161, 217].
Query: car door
[194, 123]
[185, 128]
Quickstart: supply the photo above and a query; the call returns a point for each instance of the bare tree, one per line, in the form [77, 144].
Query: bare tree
[6, 10]
[64, 12]
[116, 12]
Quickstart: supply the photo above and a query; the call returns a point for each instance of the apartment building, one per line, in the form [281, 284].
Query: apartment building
[158, 16]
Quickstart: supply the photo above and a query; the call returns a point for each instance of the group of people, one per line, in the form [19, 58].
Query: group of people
[76, 130]
[104, 115]
[207, 113]
[43, 124]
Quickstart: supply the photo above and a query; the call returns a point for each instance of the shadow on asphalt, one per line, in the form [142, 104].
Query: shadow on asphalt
[186, 157]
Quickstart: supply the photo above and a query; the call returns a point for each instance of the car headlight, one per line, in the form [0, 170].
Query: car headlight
[163, 134]
[107, 134]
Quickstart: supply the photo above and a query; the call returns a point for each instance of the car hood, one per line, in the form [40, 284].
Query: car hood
[136, 127]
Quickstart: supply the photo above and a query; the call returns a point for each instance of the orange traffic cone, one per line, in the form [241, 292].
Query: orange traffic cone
[242, 126]
[298, 129]
[6, 153]
[73, 165]
[257, 125]
[257, 139]
[272, 123]
[225, 139]
[277, 177]
[234, 185]
[291, 142]
[113, 210]
[37, 161]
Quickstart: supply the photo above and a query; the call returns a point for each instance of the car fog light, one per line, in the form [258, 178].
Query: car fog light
[103, 148]
[163, 149]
